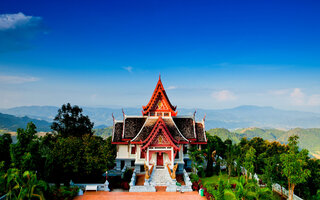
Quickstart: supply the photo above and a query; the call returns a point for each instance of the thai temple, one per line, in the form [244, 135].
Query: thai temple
[159, 138]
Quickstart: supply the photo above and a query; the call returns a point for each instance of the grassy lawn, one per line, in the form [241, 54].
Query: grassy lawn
[215, 179]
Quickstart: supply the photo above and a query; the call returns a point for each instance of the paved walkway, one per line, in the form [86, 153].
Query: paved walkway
[100, 195]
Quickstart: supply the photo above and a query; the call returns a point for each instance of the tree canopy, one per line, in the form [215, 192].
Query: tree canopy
[71, 122]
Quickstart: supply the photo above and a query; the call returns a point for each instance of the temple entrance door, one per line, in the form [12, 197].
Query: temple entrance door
[159, 159]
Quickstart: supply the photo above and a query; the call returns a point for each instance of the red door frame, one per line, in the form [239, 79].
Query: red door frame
[159, 159]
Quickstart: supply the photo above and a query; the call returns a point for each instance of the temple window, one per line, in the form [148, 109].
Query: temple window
[159, 114]
[166, 114]
[133, 149]
[143, 154]
[152, 114]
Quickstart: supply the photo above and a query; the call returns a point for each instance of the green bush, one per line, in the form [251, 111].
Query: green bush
[62, 193]
[201, 172]
[194, 177]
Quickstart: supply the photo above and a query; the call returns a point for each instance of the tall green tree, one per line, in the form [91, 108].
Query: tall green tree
[249, 162]
[5, 142]
[197, 159]
[294, 165]
[71, 122]
[213, 150]
[25, 153]
[230, 156]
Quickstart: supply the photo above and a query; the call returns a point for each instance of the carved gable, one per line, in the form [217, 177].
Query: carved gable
[160, 140]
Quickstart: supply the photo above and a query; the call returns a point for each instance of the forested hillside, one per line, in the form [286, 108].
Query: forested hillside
[309, 138]
[12, 123]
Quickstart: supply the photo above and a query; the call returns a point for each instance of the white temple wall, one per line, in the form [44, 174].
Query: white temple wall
[123, 151]
[166, 160]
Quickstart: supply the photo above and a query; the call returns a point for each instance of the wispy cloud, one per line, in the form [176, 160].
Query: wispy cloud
[299, 98]
[223, 95]
[172, 87]
[314, 100]
[128, 68]
[16, 31]
[16, 79]
[279, 92]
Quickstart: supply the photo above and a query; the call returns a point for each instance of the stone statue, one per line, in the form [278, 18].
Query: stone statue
[214, 155]
[146, 169]
[173, 173]
[148, 172]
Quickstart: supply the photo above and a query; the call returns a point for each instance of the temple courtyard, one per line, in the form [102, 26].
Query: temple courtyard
[101, 195]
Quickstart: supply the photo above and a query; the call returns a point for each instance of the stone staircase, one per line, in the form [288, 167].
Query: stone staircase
[161, 177]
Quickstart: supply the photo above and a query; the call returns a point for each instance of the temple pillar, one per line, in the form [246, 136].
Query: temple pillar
[148, 159]
[172, 160]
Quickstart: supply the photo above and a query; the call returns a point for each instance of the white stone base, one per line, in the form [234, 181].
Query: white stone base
[144, 188]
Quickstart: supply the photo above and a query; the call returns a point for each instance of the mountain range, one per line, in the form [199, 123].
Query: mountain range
[234, 118]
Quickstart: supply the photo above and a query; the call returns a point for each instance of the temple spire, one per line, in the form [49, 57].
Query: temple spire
[159, 103]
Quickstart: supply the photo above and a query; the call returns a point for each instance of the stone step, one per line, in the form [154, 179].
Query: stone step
[161, 177]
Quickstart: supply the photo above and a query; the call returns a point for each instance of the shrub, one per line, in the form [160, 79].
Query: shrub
[62, 193]
[194, 177]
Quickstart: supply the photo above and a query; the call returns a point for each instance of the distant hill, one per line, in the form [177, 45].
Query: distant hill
[308, 138]
[103, 132]
[234, 118]
[12, 123]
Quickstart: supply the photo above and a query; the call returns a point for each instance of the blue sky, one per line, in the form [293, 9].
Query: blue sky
[211, 54]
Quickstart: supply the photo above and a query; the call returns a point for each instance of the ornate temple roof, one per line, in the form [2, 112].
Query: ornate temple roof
[182, 129]
[159, 102]
[136, 129]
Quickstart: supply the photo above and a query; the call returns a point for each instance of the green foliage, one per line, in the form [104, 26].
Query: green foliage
[197, 159]
[62, 193]
[249, 162]
[224, 134]
[103, 132]
[12, 123]
[71, 122]
[215, 144]
[25, 153]
[80, 159]
[194, 177]
[294, 165]
[230, 157]
[309, 138]
[24, 185]
[5, 142]
[308, 189]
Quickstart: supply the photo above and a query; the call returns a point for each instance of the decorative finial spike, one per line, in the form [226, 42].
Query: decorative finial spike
[159, 76]
[123, 112]
[204, 118]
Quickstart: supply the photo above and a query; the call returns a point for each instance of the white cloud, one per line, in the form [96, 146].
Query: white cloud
[16, 79]
[297, 97]
[279, 92]
[129, 68]
[223, 95]
[171, 87]
[17, 31]
[12, 21]
[314, 100]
